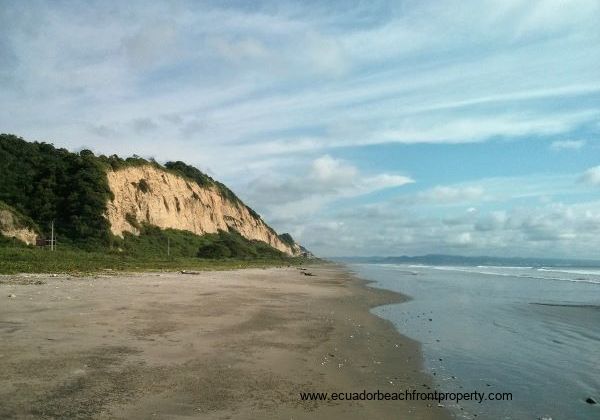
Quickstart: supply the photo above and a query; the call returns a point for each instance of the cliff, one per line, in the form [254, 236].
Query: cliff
[91, 199]
[15, 225]
[149, 194]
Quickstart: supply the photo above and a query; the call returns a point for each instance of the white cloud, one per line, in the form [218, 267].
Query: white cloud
[154, 42]
[567, 145]
[475, 129]
[552, 16]
[332, 172]
[494, 220]
[450, 195]
[592, 176]
[144, 125]
[323, 181]
[239, 50]
[503, 223]
[461, 239]
[326, 54]
[551, 230]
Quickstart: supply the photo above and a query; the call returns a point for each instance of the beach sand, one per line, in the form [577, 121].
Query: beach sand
[217, 345]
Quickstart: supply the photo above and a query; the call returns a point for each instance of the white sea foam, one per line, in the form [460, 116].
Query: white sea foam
[584, 275]
[591, 271]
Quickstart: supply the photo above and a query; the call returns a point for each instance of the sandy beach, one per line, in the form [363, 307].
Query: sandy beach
[216, 345]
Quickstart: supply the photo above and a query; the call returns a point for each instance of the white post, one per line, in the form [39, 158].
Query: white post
[52, 238]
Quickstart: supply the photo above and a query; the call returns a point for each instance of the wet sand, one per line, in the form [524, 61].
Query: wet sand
[217, 345]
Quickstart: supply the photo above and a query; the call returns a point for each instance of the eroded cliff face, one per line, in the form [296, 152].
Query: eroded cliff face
[166, 200]
[12, 228]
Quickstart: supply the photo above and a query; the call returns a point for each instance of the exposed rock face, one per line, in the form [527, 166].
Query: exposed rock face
[166, 200]
[12, 228]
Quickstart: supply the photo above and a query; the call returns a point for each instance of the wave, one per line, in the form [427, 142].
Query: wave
[567, 305]
[505, 267]
[486, 271]
[593, 272]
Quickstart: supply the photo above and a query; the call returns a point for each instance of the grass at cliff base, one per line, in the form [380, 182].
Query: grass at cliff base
[151, 249]
[34, 260]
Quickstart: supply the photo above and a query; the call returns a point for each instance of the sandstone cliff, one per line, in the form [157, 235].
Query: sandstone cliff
[12, 225]
[148, 194]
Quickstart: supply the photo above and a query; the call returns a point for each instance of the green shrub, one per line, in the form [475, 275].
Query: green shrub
[233, 245]
[215, 250]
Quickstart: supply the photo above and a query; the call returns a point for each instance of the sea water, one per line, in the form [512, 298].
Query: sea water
[531, 332]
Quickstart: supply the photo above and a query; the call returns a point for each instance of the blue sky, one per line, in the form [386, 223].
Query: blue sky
[363, 128]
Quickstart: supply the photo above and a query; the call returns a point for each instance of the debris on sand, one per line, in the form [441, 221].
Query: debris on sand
[21, 281]
[194, 273]
[12, 296]
[306, 273]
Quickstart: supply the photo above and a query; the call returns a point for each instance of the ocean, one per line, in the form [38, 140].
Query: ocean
[531, 332]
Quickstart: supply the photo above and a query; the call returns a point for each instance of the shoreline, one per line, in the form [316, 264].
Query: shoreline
[237, 344]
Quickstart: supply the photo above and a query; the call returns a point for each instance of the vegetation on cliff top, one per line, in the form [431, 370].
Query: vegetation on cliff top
[203, 180]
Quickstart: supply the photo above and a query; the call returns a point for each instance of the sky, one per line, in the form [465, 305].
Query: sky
[360, 127]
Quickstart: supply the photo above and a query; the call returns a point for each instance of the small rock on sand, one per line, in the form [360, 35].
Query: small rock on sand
[12, 295]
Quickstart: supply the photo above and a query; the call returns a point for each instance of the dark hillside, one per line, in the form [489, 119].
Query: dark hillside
[46, 183]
